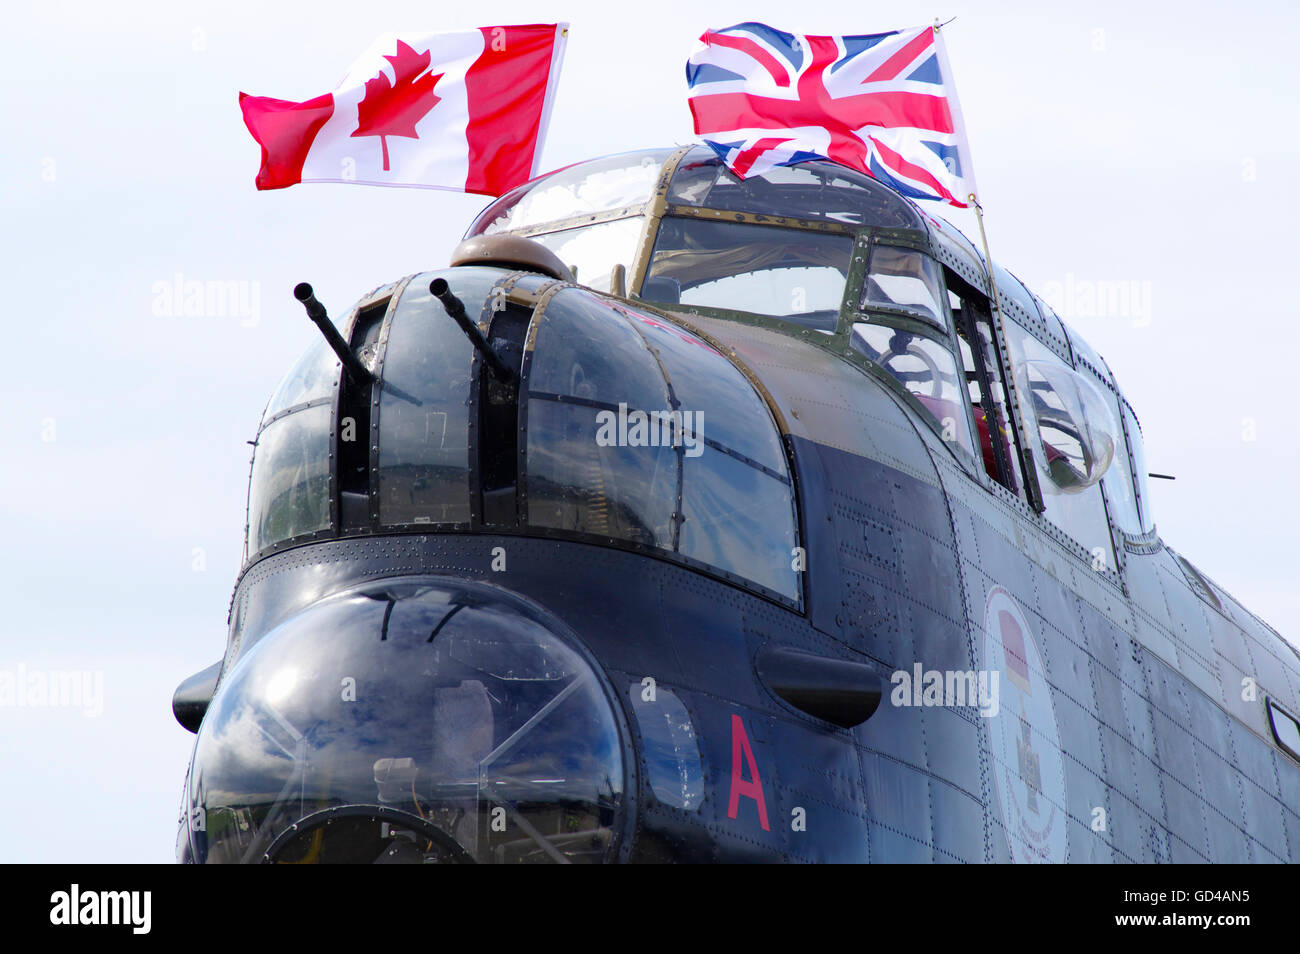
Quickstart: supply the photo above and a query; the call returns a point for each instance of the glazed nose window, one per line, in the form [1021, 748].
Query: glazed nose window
[409, 721]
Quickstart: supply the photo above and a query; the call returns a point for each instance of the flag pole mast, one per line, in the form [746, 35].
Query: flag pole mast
[1032, 490]
[988, 259]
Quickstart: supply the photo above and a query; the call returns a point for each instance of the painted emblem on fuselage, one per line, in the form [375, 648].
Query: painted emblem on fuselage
[1028, 767]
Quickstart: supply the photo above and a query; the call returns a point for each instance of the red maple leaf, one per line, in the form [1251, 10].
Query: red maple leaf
[393, 109]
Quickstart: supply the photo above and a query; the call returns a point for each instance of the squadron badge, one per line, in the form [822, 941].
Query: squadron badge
[1028, 767]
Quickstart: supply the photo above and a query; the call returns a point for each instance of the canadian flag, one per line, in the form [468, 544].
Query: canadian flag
[464, 111]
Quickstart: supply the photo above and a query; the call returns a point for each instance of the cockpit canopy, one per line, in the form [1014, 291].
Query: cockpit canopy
[777, 244]
[816, 246]
[820, 248]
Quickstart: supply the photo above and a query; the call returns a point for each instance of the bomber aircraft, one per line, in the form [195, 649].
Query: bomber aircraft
[686, 518]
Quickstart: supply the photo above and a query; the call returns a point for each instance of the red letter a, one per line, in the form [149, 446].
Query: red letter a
[751, 789]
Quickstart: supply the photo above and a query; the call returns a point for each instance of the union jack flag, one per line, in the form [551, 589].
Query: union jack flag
[883, 104]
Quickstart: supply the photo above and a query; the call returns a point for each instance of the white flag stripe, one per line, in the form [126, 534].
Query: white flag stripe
[440, 154]
[958, 124]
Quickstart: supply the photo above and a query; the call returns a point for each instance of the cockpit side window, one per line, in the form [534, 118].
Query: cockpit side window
[1072, 442]
[1121, 498]
[987, 389]
[906, 280]
[1137, 451]
[910, 334]
[926, 368]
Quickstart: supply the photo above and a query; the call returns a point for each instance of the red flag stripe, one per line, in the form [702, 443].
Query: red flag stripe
[285, 130]
[894, 65]
[900, 165]
[506, 88]
[724, 111]
[745, 160]
[746, 45]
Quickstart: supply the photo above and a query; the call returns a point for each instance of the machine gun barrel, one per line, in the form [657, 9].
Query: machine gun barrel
[456, 308]
[316, 312]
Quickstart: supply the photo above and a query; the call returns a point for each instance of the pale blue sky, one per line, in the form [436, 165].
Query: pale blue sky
[1112, 143]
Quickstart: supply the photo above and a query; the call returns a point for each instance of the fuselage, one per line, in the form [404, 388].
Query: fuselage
[635, 599]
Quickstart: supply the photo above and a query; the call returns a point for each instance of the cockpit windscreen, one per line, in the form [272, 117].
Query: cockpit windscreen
[793, 274]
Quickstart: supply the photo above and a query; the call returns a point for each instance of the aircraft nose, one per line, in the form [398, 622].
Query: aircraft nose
[410, 720]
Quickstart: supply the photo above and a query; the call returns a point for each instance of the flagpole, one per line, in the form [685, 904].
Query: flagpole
[988, 259]
[1000, 333]
[999, 324]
